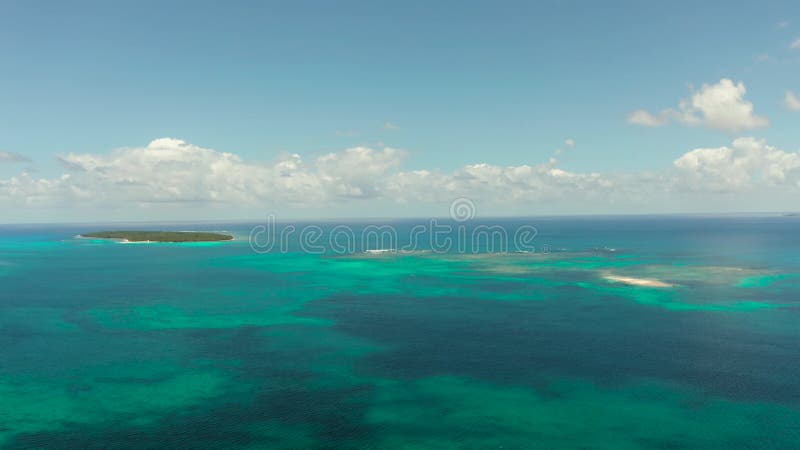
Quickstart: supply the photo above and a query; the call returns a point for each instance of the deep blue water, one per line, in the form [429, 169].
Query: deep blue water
[215, 345]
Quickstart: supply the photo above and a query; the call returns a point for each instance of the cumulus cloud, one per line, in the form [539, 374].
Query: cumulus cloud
[12, 157]
[795, 44]
[179, 175]
[746, 163]
[570, 142]
[791, 101]
[167, 170]
[389, 126]
[510, 184]
[719, 106]
[25, 189]
[356, 172]
[173, 171]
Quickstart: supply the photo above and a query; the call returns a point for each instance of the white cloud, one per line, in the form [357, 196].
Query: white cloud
[748, 162]
[645, 119]
[171, 170]
[568, 144]
[356, 172]
[168, 170]
[791, 101]
[782, 24]
[493, 185]
[722, 106]
[180, 176]
[12, 157]
[795, 44]
[25, 189]
[719, 106]
[389, 126]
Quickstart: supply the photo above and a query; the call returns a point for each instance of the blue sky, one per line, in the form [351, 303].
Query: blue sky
[458, 83]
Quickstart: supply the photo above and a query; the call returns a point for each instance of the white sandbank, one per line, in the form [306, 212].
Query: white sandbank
[647, 282]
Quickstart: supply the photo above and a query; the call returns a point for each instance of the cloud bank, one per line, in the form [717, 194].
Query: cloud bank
[171, 173]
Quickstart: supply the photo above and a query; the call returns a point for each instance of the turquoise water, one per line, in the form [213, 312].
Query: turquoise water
[184, 345]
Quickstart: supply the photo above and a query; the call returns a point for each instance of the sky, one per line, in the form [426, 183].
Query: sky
[234, 110]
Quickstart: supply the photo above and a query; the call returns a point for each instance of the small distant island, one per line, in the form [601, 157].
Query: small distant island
[160, 236]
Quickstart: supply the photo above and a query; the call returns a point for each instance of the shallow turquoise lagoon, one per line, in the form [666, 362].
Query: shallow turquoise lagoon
[174, 345]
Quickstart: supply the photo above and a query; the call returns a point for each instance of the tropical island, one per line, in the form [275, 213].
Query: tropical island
[160, 236]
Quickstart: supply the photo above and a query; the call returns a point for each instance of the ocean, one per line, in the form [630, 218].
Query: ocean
[588, 332]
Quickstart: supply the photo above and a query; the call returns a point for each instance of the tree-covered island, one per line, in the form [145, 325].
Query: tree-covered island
[160, 236]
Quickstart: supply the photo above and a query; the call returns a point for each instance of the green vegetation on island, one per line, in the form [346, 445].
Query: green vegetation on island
[160, 236]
